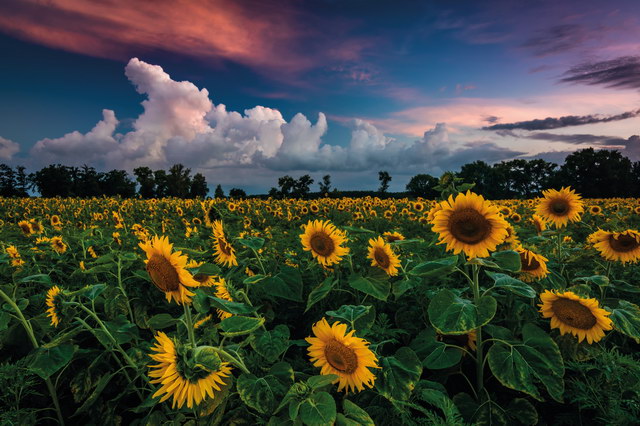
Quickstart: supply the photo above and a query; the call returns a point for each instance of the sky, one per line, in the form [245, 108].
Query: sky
[247, 91]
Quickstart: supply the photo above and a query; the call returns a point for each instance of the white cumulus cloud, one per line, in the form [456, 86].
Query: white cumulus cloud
[8, 148]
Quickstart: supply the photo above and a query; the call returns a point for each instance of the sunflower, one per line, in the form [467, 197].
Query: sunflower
[222, 293]
[224, 253]
[560, 207]
[572, 314]
[186, 382]
[539, 223]
[393, 236]
[595, 210]
[534, 266]
[53, 302]
[620, 246]
[210, 213]
[471, 224]
[516, 218]
[25, 227]
[56, 222]
[167, 269]
[382, 256]
[418, 206]
[324, 241]
[344, 355]
[92, 252]
[232, 206]
[58, 245]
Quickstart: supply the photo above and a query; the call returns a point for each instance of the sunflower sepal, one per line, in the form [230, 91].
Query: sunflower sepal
[207, 358]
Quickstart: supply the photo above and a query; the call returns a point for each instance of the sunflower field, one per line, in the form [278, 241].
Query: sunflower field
[317, 312]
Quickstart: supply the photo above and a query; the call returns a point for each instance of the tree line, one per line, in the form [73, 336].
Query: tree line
[592, 173]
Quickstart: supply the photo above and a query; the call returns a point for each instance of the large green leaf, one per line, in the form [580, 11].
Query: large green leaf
[318, 410]
[376, 288]
[433, 353]
[261, 394]
[537, 359]
[399, 374]
[231, 307]
[349, 313]
[320, 292]
[354, 415]
[509, 260]
[239, 325]
[286, 285]
[511, 284]
[439, 268]
[160, 321]
[626, 319]
[271, 344]
[48, 361]
[255, 243]
[451, 314]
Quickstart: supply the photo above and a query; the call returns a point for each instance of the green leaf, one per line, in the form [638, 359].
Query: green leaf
[599, 280]
[201, 301]
[283, 372]
[209, 269]
[160, 321]
[435, 355]
[102, 383]
[122, 329]
[48, 361]
[626, 319]
[511, 284]
[354, 413]
[318, 410]
[231, 307]
[349, 313]
[519, 366]
[4, 320]
[401, 287]
[439, 268]
[320, 292]
[254, 279]
[239, 325]
[259, 393]
[451, 314]
[37, 278]
[357, 230]
[399, 374]
[378, 289]
[93, 291]
[523, 411]
[271, 344]
[316, 382]
[509, 260]
[255, 243]
[286, 285]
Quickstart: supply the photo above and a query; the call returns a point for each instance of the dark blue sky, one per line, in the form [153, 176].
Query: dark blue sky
[369, 78]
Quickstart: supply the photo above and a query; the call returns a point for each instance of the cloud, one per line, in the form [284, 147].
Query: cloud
[557, 39]
[620, 73]
[180, 123]
[566, 121]
[8, 148]
[629, 147]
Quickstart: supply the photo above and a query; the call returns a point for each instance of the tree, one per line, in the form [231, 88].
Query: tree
[22, 182]
[237, 193]
[286, 184]
[482, 175]
[301, 186]
[53, 180]
[117, 182]
[199, 187]
[219, 193]
[422, 186]
[86, 182]
[325, 185]
[160, 178]
[7, 181]
[178, 181]
[144, 176]
[384, 179]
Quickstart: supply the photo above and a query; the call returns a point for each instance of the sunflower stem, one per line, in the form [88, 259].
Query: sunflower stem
[192, 335]
[27, 327]
[236, 361]
[255, 252]
[124, 293]
[475, 286]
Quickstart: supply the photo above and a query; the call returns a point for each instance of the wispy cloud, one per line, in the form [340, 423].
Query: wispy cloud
[558, 122]
[619, 73]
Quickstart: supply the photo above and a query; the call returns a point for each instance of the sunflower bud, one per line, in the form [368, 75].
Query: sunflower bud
[207, 358]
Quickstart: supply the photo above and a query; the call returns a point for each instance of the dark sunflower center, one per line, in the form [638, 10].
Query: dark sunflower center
[574, 313]
[340, 357]
[322, 244]
[469, 226]
[381, 258]
[225, 247]
[392, 238]
[560, 207]
[623, 244]
[163, 274]
[528, 263]
[201, 278]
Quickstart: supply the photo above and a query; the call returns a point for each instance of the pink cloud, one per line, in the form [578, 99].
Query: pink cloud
[264, 35]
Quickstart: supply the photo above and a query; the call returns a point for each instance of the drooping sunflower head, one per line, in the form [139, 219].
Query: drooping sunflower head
[539, 223]
[25, 227]
[36, 227]
[534, 266]
[467, 341]
[55, 221]
[573, 314]
[188, 375]
[324, 241]
[337, 352]
[54, 302]
[211, 213]
[382, 256]
[222, 292]
[224, 252]
[393, 236]
[58, 245]
[471, 224]
[618, 246]
[167, 269]
[516, 218]
[560, 207]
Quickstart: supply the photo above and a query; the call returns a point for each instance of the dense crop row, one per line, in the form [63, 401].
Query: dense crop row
[346, 311]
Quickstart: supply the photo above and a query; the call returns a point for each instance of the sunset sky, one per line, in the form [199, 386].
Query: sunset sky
[246, 91]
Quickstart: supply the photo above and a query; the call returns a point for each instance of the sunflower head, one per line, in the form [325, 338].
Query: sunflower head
[382, 256]
[324, 241]
[560, 207]
[25, 227]
[576, 315]
[534, 266]
[393, 236]
[224, 252]
[471, 224]
[539, 223]
[617, 246]
[337, 352]
[167, 269]
[189, 375]
[58, 245]
[54, 303]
